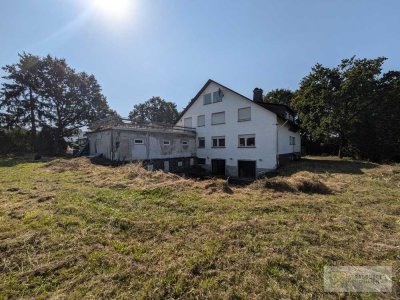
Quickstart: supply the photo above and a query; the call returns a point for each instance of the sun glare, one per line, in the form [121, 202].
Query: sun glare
[113, 9]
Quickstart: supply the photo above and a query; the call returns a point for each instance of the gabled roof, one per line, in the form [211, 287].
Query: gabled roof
[272, 107]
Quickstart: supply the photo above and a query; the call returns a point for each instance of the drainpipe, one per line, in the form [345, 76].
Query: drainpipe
[277, 141]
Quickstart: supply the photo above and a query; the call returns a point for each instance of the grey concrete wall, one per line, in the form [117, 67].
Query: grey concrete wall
[119, 145]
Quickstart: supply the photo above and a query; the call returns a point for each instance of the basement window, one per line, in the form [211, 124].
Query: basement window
[218, 141]
[247, 141]
[166, 143]
[138, 141]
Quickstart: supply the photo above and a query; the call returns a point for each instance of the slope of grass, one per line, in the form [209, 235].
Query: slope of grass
[69, 229]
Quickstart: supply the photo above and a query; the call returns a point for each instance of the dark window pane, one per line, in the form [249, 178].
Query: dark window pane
[215, 142]
[251, 142]
[222, 142]
[242, 142]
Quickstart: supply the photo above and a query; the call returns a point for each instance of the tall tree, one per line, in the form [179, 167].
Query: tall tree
[331, 101]
[20, 93]
[279, 96]
[73, 99]
[155, 110]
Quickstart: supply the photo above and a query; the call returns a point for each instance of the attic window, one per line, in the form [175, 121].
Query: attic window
[207, 99]
[217, 96]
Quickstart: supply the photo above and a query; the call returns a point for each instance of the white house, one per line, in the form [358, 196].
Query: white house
[226, 132]
[237, 136]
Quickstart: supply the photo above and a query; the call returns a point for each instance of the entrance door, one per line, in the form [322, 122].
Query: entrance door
[247, 169]
[218, 166]
[166, 166]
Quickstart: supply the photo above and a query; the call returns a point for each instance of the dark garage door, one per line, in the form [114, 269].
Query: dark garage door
[218, 166]
[247, 169]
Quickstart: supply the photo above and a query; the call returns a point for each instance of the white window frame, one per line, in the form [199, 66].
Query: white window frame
[216, 99]
[246, 137]
[204, 119]
[218, 138]
[216, 113]
[191, 122]
[204, 98]
[246, 119]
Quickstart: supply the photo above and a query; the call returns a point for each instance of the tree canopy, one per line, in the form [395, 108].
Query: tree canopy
[353, 106]
[45, 92]
[279, 96]
[155, 110]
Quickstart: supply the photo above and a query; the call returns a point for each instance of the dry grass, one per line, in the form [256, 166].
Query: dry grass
[71, 230]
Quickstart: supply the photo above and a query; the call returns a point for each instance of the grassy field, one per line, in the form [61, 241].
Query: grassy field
[73, 230]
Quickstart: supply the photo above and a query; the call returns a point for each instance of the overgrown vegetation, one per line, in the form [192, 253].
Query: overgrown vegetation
[70, 229]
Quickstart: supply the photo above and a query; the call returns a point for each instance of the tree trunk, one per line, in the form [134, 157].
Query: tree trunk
[33, 119]
[341, 142]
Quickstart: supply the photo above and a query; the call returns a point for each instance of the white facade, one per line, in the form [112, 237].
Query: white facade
[234, 116]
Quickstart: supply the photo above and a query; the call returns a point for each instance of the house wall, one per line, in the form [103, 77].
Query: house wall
[284, 135]
[124, 148]
[262, 124]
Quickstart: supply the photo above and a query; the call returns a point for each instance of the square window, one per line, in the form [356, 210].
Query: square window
[218, 141]
[217, 96]
[207, 99]
[247, 140]
[244, 114]
[218, 118]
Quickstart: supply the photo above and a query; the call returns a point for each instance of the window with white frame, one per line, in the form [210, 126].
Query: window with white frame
[138, 141]
[217, 96]
[218, 118]
[187, 122]
[166, 142]
[201, 120]
[201, 142]
[207, 99]
[218, 141]
[292, 140]
[247, 140]
[244, 114]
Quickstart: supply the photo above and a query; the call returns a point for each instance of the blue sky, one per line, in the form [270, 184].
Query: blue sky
[169, 48]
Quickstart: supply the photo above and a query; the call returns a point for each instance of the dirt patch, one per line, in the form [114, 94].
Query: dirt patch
[14, 189]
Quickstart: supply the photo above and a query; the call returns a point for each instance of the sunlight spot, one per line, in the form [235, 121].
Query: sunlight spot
[114, 10]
